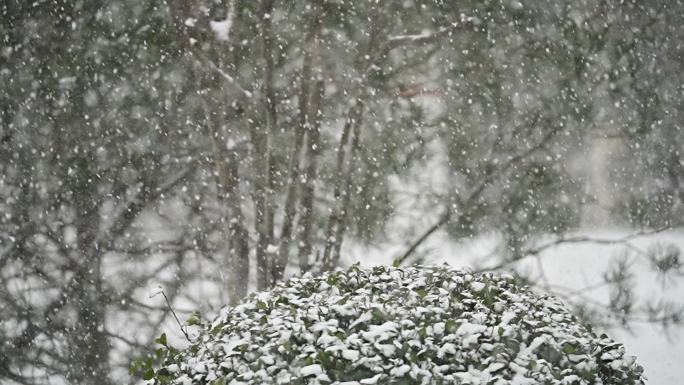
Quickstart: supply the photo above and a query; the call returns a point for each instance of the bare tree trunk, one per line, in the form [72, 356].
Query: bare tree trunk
[269, 92]
[238, 243]
[236, 237]
[346, 194]
[344, 151]
[309, 180]
[293, 173]
[89, 354]
[236, 262]
[307, 104]
[89, 350]
[261, 143]
[261, 170]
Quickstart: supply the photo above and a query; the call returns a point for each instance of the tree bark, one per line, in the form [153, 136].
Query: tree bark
[308, 115]
[293, 172]
[261, 143]
[89, 349]
[346, 194]
[308, 184]
[236, 235]
[344, 151]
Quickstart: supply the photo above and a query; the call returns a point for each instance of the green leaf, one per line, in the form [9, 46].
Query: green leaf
[136, 364]
[359, 373]
[405, 380]
[161, 340]
[378, 315]
[164, 379]
[163, 372]
[194, 319]
[148, 375]
[422, 332]
[325, 359]
[570, 348]
[451, 326]
[261, 305]
[396, 263]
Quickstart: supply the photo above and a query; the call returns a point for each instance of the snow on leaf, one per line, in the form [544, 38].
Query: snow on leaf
[387, 325]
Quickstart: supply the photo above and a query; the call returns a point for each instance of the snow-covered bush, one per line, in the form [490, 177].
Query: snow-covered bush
[387, 325]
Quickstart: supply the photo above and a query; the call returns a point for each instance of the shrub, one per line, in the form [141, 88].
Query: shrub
[386, 325]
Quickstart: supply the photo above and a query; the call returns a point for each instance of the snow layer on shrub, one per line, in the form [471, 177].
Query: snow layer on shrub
[414, 325]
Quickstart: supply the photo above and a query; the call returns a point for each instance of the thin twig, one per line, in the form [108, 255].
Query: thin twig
[180, 325]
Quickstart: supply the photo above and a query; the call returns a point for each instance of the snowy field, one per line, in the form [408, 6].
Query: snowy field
[576, 267]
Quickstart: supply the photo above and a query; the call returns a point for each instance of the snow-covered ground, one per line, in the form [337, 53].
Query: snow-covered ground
[575, 267]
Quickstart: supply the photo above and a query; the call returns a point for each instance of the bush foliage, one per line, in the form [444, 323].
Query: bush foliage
[387, 325]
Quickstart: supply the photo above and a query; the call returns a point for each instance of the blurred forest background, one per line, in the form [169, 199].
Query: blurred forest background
[216, 147]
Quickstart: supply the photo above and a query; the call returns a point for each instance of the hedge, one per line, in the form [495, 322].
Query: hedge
[415, 325]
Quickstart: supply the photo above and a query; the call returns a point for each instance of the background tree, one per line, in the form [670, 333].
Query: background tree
[90, 142]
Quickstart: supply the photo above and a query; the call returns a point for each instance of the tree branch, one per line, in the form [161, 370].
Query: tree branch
[126, 217]
[535, 251]
[203, 60]
[477, 192]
